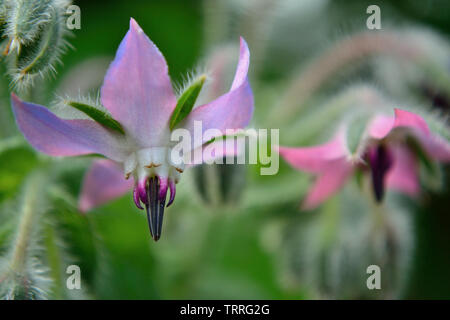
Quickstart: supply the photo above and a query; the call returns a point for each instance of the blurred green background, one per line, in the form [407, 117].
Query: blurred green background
[250, 245]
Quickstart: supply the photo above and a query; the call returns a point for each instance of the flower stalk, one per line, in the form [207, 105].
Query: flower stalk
[305, 84]
[25, 231]
[22, 275]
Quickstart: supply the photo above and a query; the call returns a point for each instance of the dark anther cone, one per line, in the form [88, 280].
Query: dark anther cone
[155, 208]
[380, 159]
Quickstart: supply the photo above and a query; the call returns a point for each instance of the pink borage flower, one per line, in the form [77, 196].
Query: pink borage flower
[384, 149]
[137, 92]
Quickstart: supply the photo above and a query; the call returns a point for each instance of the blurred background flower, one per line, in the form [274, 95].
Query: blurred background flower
[314, 65]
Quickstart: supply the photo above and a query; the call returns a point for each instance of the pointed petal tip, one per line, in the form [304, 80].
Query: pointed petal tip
[310, 204]
[243, 44]
[85, 204]
[83, 207]
[134, 25]
[14, 97]
[149, 95]
[306, 206]
[16, 102]
[56, 136]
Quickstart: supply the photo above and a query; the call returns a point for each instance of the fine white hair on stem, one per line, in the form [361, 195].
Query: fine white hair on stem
[22, 273]
[190, 77]
[60, 105]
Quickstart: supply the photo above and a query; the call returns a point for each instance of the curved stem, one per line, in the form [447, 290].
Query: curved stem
[317, 73]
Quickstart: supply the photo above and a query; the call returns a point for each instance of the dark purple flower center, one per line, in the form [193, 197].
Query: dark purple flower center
[380, 160]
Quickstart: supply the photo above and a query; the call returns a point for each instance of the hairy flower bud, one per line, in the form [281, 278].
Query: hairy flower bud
[35, 31]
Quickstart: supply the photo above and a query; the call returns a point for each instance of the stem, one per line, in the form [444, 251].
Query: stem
[25, 232]
[316, 122]
[382, 225]
[55, 258]
[343, 53]
[213, 184]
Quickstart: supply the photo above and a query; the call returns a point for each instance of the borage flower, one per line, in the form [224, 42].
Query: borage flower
[138, 94]
[390, 148]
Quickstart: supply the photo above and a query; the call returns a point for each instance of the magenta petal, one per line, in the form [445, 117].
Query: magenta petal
[59, 137]
[232, 110]
[172, 192]
[382, 125]
[163, 185]
[142, 190]
[328, 183]
[136, 197]
[435, 146]
[103, 182]
[137, 88]
[403, 176]
[317, 158]
[408, 119]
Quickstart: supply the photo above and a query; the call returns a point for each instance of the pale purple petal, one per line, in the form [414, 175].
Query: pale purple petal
[59, 137]
[242, 68]
[328, 183]
[137, 90]
[232, 110]
[103, 182]
[317, 158]
[215, 150]
[404, 174]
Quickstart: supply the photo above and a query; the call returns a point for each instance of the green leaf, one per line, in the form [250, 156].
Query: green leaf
[186, 101]
[97, 115]
[238, 134]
